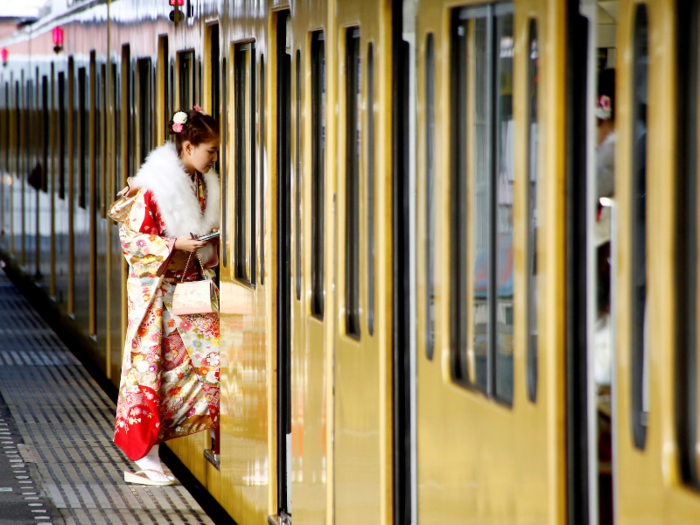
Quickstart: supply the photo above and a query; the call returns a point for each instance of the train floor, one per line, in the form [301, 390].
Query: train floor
[58, 463]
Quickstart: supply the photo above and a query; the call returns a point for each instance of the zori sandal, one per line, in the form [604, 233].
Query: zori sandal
[141, 478]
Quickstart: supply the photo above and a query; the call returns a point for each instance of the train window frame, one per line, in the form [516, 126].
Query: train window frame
[687, 351]
[262, 167]
[244, 64]
[639, 348]
[298, 175]
[370, 180]
[82, 128]
[353, 149]
[429, 196]
[481, 55]
[318, 172]
[532, 207]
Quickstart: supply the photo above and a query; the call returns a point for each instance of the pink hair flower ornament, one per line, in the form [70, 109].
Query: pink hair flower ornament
[198, 108]
[604, 108]
[179, 120]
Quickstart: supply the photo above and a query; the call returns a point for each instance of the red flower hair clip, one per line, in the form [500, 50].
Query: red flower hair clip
[198, 108]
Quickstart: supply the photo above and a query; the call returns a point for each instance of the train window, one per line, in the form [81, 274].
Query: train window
[430, 196]
[244, 97]
[297, 180]
[318, 150]
[370, 189]
[45, 133]
[145, 94]
[126, 104]
[62, 135]
[352, 183]
[214, 78]
[532, 212]
[638, 211]
[223, 173]
[687, 246]
[101, 140]
[482, 199]
[186, 79]
[163, 83]
[83, 152]
[262, 164]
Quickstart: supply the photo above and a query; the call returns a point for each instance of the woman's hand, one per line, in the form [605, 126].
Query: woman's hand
[188, 244]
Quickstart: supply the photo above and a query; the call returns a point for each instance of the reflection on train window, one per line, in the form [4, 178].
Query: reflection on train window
[297, 180]
[318, 150]
[82, 129]
[370, 189]
[687, 246]
[223, 173]
[482, 196]
[186, 79]
[352, 183]
[532, 212]
[62, 135]
[429, 196]
[145, 108]
[262, 164]
[45, 133]
[638, 211]
[244, 97]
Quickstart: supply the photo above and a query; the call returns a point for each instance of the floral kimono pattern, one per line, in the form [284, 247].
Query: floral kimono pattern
[170, 370]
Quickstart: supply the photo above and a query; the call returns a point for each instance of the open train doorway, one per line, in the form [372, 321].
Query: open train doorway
[591, 251]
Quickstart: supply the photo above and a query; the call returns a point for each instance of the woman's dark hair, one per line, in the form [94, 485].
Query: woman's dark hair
[199, 128]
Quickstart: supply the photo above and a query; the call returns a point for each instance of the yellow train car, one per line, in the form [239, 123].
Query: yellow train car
[444, 291]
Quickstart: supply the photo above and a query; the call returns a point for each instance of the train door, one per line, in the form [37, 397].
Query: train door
[284, 263]
[591, 248]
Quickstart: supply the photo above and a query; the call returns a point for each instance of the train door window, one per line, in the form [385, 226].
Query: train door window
[638, 211]
[244, 97]
[370, 189]
[62, 135]
[83, 152]
[144, 107]
[430, 196]
[262, 165]
[297, 179]
[45, 133]
[352, 182]
[186, 79]
[318, 156]
[687, 350]
[223, 173]
[482, 197]
[162, 91]
[532, 212]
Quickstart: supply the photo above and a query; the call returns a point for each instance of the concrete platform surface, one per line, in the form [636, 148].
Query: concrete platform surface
[57, 461]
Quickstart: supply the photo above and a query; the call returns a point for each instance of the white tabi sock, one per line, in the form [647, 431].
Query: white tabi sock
[150, 463]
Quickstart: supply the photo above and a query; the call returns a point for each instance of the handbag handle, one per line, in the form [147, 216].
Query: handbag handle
[188, 263]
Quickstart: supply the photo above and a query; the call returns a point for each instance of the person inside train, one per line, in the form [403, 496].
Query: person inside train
[170, 372]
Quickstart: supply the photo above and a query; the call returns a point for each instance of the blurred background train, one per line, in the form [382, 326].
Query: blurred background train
[430, 311]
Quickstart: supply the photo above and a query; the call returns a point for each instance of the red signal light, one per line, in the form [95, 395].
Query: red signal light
[57, 36]
[179, 2]
[4, 54]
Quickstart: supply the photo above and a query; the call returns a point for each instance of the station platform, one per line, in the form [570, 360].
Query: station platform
[58, 464]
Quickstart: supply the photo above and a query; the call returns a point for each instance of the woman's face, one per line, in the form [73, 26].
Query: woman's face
[201, 157]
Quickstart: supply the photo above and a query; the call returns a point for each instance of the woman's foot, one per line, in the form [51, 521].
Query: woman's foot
[149, 477]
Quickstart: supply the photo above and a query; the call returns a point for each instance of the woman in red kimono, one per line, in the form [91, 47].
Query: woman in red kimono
[170, 371]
